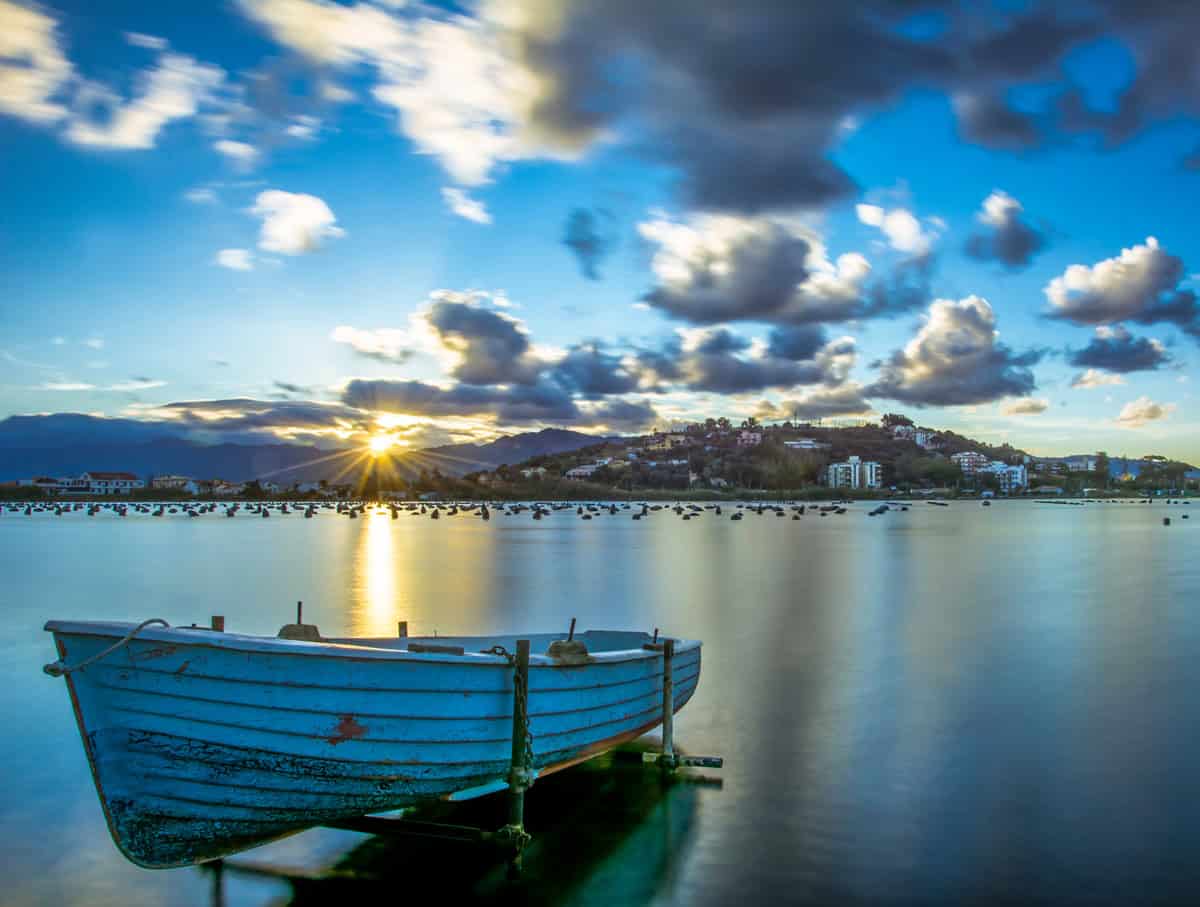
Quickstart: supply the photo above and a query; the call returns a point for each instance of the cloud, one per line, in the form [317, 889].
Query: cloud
[201, 195]
[67, 386]
[1027, 407]
[241, 154]
[173, 89]
[491, 347]
[588, 234]
[507, 405]
[1094, 378]
[95, 343]
[717, 268]
[986, 119]
[588, 369]
[625, 416]
[1116, 350]
[715, 360]
[136, 384]
[899, 225]
[821, 403]
[149, 42]
[1138, 412]
[384, 344]
[243, 414]
[235, 259]
[34, 71]
[293, 223]
[1140, 285]
[464, 206]
[1005, 237]
[955, 359]
[454, 88]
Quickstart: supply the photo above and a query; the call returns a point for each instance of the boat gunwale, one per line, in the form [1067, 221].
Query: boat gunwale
[273, 645]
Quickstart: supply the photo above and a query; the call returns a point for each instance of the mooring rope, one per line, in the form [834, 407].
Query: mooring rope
[58, 669]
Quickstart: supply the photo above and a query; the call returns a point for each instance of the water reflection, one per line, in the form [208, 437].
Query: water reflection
[376, 609]
[611, 831]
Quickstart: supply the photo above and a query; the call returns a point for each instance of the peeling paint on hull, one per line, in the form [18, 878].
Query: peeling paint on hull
[202, 745]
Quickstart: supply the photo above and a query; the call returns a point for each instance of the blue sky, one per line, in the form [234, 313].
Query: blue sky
[318, 221]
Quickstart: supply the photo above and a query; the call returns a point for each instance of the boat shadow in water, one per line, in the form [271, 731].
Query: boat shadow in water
[612, 830]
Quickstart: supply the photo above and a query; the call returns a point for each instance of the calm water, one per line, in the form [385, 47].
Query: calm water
[936, 705]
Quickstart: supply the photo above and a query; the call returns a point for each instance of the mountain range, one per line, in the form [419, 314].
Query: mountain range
[65, 444]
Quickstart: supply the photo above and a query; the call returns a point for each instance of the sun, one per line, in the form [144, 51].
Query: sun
[380, 444]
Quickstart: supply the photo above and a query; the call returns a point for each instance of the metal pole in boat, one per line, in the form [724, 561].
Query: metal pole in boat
[668, 700]
[521, 769]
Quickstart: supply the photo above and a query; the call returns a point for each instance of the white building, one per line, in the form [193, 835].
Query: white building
[581, 472]
[1011, 478]
[175, 483]
[805, 444]
[969, 461]
[747, 438]
[855, 473]
[113, 482]
[533, 472]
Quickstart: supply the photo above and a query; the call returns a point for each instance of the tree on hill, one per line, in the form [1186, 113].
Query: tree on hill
[891, 420]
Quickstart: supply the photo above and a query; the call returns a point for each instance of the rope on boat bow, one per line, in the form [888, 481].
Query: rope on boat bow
[58, 669]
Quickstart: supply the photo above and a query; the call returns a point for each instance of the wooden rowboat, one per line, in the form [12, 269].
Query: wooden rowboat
[204, 743]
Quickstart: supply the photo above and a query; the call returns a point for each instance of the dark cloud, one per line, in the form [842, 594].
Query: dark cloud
[955, 359]
[242, 414]
[746, 100]
[796, 342]
[492, 348]
[514, 404]
[1004, 236]
[755, 269]
[1141, 285]
[987, 120]
[622, 415]
[588, 369]
[589, 234]
[1116, 350]
[715, 360]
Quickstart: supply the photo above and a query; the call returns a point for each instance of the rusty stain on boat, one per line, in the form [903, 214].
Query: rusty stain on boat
[346, 729]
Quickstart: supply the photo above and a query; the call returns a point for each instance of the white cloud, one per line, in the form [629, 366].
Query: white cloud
[136, 384]
[457, 92]
[386, 344]
[235, 259]
[242, 154]
[150, 42]
[33, 67]
[1116, 289]
[899, 225]
[293, 223]
[304, 126]
[464, 206]
[96, 343]
[174, 89]
[201, 195]
[1094, 378]
[66, 386]
[58, 341]
[1030, 407]
[1138, 412]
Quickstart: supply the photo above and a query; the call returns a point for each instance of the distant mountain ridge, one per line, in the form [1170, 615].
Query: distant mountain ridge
[71, 443]
[461, 459]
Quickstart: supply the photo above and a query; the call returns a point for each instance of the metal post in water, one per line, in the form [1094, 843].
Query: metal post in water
[571, 632]
[402, 626]
[668, 716]
[299, 612]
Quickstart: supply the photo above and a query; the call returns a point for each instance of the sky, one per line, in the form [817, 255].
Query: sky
[319, 222]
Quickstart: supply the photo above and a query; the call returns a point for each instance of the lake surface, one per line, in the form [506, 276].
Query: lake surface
[926, 706]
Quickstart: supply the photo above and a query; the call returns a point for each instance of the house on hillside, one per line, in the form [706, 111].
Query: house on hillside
[175, 483]
[749, 438]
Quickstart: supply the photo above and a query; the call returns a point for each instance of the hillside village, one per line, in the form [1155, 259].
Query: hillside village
[713, 458]
[893, 455]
